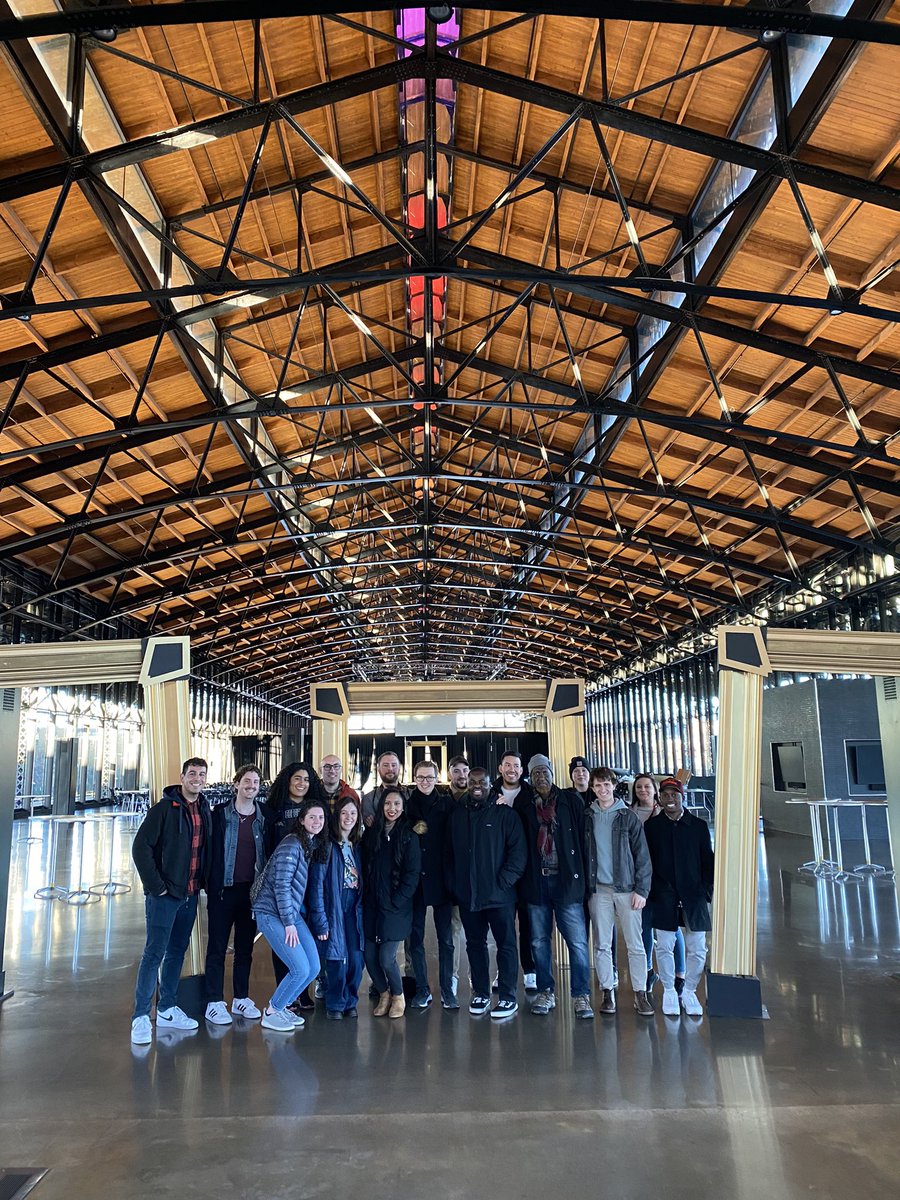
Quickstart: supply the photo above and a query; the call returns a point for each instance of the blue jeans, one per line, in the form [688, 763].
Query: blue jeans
[302, 960]
[343, 974]
[169, 925]
[570, 923]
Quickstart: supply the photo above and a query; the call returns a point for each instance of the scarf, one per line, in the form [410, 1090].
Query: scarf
[546, 815]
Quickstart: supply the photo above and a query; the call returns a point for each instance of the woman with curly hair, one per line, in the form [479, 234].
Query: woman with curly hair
[292, 787]
[391, 866]
[279, 909]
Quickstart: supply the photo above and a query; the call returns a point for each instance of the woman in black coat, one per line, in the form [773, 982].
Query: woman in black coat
[391, 863]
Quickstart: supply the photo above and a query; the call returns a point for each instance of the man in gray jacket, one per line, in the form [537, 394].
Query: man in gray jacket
[618, 879]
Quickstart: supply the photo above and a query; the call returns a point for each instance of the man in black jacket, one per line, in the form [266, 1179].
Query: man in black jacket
[429, 806]
[170, 851]
[682, 886]
[510, 788]
[485, 858]
[554, 885]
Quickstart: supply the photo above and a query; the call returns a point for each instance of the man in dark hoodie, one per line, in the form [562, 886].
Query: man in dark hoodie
[170, 851]
[618, 876]
[485, 858]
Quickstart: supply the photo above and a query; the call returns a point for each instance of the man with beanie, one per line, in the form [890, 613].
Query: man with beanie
[554, 885]
[682, 857]
[485, 857]
[618, 878]
[580, 774]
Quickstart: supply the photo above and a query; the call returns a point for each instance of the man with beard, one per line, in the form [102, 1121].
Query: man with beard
[429, 808]
[511, 789]
[334, 787]
[485, 858]
[389, 770]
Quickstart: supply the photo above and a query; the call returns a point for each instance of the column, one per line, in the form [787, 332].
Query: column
[732, 986]
[565, 738]
[331, 737]
[10, 713]
[167, 728]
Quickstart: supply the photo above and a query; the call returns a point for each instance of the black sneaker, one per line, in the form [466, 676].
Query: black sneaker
[479, 1005]
[449, 1001]
[504, 1009]
[421, 999]
[679, 984]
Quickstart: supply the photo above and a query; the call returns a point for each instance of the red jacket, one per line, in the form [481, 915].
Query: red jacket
[344, 790]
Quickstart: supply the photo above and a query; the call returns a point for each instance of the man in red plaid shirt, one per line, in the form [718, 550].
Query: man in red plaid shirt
[170, 852]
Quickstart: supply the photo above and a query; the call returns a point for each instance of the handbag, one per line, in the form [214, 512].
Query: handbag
[257, 885]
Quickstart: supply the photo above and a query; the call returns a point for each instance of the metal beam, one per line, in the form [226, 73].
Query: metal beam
[756, 19]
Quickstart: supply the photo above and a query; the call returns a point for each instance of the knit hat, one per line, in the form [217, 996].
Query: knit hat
[671, 782]
[578, 761]
[540, 760]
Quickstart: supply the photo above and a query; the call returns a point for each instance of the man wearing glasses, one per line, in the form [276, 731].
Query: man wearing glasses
[334, 787]
[428, 808]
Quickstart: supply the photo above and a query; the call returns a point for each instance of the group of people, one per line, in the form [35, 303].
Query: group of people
[336, 882]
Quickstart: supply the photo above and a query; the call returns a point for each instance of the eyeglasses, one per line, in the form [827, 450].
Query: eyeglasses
[331, 766]
[425, 778]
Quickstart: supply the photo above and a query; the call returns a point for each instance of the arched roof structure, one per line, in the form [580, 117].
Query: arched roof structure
[371, 346]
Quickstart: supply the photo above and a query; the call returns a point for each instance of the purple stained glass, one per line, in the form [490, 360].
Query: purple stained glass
[411, 27]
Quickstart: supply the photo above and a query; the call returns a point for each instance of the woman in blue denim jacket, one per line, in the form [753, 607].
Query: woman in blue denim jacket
[279, 909]
[237, 855]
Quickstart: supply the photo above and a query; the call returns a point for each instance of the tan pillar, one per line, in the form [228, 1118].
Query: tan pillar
[565, 738]
[167, 726]
[733, 950]
[331, 737]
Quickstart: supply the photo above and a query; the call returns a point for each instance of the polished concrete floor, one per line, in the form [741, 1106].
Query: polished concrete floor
[444, 1105]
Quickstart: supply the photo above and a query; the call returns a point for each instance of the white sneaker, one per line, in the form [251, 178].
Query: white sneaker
[531, 982]
[141, 1031]
[692, 1005]
[295, 1017]
[670, 1005]
[174, 1018]
[218, 1013]
[273, 1018]
[245, 1008]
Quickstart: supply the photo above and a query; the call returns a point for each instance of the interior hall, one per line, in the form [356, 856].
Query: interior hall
[449, 599]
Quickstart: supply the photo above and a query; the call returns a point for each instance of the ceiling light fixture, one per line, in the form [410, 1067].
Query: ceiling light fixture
[188, 139]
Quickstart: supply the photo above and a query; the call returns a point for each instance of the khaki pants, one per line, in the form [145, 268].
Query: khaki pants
[607, 906]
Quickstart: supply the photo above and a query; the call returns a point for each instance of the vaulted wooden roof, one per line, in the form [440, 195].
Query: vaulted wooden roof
[511, 344]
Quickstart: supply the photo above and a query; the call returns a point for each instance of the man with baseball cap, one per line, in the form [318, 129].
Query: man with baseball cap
[680, 892]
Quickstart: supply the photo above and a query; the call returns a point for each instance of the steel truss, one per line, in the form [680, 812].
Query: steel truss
[450, 482]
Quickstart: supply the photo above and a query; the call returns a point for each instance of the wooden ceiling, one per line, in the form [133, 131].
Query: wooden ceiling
[666, 372]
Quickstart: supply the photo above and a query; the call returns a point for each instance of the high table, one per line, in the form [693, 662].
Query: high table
[111, 886]
[52, 890]
[834, 866]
